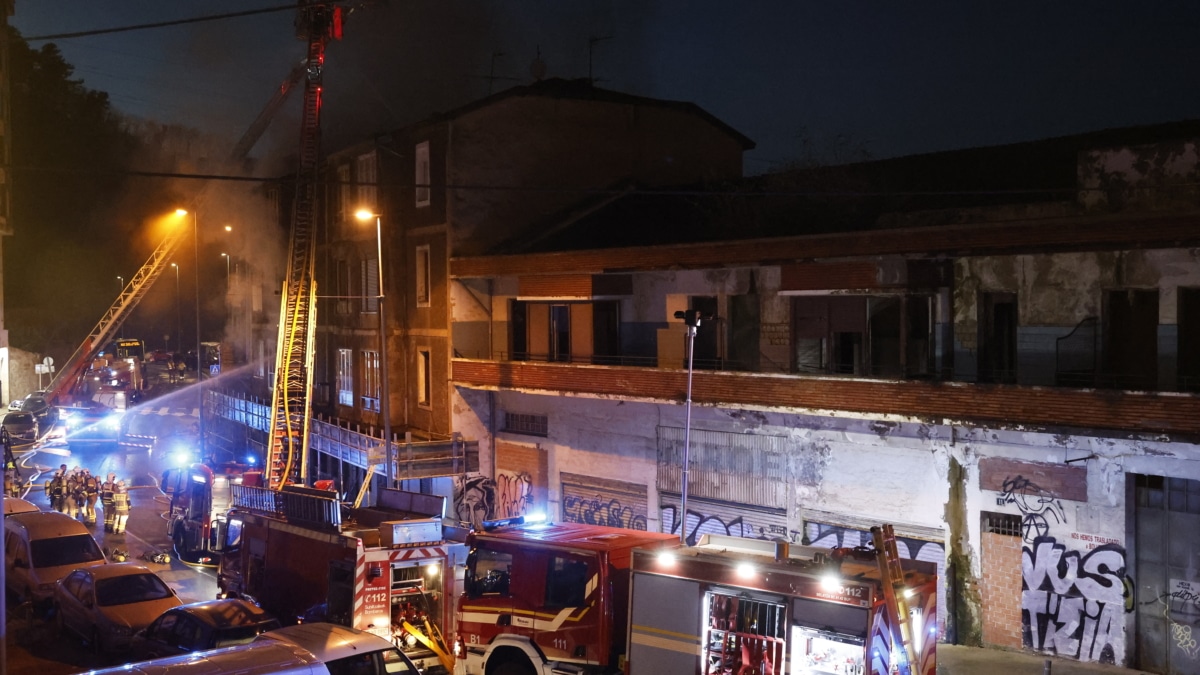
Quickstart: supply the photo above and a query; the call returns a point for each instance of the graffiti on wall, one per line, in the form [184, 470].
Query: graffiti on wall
[602, 510]
[1180, 607]
[474, 499]
[514, 493]
[603, 501]
[1039, 509]
[1072, 603]
[737, 521]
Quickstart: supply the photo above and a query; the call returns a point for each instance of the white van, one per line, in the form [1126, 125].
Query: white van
[41, 548]
[304, 649]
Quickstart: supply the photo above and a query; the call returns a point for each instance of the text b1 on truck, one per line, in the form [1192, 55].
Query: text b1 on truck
[591, 600]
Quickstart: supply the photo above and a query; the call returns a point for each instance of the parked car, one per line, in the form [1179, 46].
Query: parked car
[210, 624]
[41, 548]
[21, 426]
[36, 403]
[106, 605]
[13, 506]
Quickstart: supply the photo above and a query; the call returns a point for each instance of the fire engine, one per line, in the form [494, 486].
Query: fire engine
[388, 569]
[575, 598]
[200, 496]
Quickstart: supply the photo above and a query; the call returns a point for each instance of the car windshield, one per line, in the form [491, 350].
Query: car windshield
[130, 588]
[73, 550]
[18, 418]
[240, 635]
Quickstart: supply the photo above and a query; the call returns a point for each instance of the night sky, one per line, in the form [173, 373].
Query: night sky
[829, 81]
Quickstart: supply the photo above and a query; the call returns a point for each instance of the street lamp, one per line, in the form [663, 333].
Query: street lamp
[691, 318]
[196, 279]
[178, 319]
[365, 215]
[226, 257]
[120, 282]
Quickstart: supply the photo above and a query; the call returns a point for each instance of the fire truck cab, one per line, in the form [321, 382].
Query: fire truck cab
[591, 600]
[544, 596]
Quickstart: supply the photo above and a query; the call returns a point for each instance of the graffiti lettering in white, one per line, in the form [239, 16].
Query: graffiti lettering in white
[1072, 605]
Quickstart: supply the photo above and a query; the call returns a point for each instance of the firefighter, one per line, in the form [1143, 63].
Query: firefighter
[106, 500]
[74, 493]
[120, 507]
[91, 491]
[56, 490]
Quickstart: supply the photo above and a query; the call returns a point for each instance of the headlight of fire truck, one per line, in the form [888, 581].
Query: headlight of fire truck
[112, 422]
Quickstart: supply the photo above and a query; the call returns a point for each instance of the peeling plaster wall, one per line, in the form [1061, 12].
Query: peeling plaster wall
[924, 478]
[1160, 176]
[1057, 291]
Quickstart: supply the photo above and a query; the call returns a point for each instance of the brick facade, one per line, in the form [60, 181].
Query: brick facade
[1000, 590]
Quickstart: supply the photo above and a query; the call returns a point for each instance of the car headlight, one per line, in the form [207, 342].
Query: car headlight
[121, 631]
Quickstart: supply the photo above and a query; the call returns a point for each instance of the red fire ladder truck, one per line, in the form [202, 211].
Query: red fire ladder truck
[65, 386]
[317, 23]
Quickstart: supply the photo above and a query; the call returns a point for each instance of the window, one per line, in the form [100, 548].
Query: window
[529, 425]
[422, 272]
[341, 287]
[560, 333]
[1008, 524]
[345, 377]
[367, 177]
[566, 582]
[371, 389]
[424, 379]
[998, 319]
[487, 573]
[421, 176]
[345, 199]
[369, 276]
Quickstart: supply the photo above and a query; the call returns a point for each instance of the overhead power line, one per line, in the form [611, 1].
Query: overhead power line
[162, 24]
[486, 187]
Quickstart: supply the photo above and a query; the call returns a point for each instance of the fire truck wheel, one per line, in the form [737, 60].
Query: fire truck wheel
[513, 668]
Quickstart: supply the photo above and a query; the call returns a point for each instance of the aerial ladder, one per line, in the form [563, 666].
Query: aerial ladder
[318, 23]
[70, 377]
[884, 538]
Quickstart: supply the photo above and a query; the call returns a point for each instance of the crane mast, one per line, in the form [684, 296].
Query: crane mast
[317, 23]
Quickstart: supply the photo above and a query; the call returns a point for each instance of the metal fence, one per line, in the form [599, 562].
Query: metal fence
[740, 468]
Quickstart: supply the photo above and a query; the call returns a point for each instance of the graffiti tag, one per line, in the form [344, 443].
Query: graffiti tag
[1071, 605]
[514, 493]
[598, 511]
[1037, 507]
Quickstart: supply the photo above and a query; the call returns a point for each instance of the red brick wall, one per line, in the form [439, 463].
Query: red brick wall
[1134, 411]
[1000, 590]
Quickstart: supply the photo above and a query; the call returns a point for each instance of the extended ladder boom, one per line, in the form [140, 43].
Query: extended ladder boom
[894, 594]
[319, 23]
[72, 372]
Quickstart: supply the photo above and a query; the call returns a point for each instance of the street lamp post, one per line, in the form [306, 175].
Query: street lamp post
[196, 279]
[384, 403]
[120, 282]
[691, 318]
[178, 315]
[226, 257]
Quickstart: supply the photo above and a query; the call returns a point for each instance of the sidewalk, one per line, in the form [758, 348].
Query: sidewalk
[960, 660]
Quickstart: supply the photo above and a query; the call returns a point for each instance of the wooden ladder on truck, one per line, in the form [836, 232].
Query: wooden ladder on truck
[318, 22]
[894, 594]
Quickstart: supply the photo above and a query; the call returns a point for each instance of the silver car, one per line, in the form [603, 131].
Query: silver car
[107, 604]
[21, 426]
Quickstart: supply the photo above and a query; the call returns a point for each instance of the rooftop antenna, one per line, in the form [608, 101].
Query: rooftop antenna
[491, 78]
[537, 69]
[592, 42]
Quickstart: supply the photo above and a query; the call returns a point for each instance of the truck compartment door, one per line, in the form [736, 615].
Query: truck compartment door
[664, 626]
